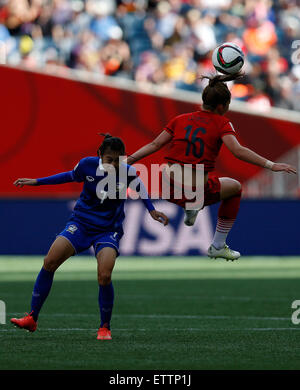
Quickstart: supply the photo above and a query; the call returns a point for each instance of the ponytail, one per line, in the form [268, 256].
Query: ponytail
[113, 143]
[217, 92]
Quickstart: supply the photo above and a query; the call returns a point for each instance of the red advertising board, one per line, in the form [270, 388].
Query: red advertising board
[48, 123]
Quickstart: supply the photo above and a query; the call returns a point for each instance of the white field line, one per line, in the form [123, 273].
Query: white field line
[163, 329]
[167, 316]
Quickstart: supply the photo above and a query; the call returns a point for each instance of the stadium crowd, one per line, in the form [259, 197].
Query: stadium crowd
[168, 43]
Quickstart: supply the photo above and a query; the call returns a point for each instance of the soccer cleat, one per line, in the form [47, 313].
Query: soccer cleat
[104, 334]
[190, 217]
[26, 322]
[225, 253]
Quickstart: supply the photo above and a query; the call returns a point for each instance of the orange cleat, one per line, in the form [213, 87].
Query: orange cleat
[104, 334]
[26, 322]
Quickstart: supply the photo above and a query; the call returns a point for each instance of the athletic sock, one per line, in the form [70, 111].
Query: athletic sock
[106, 302]
[222, 230]
[40, 292]
[226, 217]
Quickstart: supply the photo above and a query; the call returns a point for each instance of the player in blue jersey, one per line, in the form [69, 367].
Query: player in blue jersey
[96, 221]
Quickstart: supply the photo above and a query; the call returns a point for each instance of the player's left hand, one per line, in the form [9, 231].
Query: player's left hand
[160, 217]
[280, 167]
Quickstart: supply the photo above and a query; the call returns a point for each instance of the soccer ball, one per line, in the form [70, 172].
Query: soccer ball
[228, 58]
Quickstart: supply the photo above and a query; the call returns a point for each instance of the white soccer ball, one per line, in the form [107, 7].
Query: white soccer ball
[228, 58]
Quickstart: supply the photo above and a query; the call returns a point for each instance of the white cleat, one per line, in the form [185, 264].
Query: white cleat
[190, 217]
[225, 253]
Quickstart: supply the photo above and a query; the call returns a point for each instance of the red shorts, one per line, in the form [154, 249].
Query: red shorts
[211, 192]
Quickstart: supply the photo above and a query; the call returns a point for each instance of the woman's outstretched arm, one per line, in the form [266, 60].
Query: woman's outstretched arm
[251, 157]
[60, 178]
[160, 141]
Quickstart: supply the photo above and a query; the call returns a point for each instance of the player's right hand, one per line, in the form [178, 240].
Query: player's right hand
[280, 167]
[160, 217]
[25, 182]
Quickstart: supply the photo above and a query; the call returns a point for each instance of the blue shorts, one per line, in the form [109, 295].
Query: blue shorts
[82, 239]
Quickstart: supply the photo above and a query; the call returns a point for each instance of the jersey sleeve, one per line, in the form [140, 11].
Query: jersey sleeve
[137, 185]
[170, 127]
[60, 178]
[144, 195]
[227, 128]
[78, 171]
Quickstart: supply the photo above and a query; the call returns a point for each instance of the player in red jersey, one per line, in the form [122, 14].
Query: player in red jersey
[196, 138]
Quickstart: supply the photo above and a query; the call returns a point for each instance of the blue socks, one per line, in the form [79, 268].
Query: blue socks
[43, 286]
[106, 302]
[40, 292]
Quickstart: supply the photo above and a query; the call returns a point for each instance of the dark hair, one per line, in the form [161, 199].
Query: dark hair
[217, 92]
[113, 143]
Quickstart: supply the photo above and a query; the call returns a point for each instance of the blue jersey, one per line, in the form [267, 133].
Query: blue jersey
[97, 208]
[94, 207]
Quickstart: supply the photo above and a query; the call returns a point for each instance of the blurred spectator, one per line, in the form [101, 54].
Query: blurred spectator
[150, 69]
[202, 30]
[260, 101]
[115, 56]
[164, 42]
[259, 35]
[21, 11]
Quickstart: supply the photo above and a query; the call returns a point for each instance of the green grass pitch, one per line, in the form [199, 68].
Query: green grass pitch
[170, 313]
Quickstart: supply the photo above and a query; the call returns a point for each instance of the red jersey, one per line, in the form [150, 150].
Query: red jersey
[197, 138]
